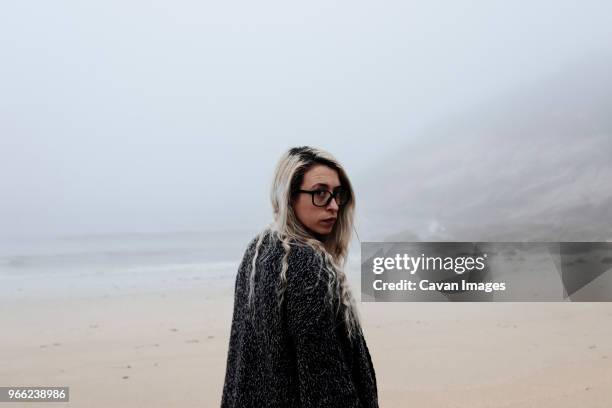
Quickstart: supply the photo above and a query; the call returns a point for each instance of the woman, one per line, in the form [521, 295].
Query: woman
[296, 340]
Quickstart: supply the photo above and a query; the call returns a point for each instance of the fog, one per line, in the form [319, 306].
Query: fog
[155, 117]
[530, 165]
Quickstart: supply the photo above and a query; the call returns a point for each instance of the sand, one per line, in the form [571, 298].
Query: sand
[168, 349]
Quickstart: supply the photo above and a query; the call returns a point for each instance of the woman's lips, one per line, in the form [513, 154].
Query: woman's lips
[328, 221]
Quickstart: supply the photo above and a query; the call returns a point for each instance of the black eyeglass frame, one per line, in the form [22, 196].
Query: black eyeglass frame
[332, 195]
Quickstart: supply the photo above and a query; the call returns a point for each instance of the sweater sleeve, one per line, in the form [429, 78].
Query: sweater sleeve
[323, 372]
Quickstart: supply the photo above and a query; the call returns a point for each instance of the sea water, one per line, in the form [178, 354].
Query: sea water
[106, 265]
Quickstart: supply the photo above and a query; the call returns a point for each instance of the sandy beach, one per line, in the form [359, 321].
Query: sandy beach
[168, 348]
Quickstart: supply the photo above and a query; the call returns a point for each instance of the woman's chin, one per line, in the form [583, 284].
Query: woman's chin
[320, 232]
[325, 230]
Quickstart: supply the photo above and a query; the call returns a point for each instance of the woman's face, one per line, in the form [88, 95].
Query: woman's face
[320, 220]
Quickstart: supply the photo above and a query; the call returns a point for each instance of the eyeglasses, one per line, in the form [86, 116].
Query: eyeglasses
[321, 198]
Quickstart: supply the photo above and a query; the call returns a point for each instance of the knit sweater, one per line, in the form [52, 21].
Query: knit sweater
[299, 356]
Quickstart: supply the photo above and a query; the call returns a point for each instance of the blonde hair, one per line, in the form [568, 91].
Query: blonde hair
[332, 251]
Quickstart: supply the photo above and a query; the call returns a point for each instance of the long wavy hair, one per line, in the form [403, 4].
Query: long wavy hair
[332, 250]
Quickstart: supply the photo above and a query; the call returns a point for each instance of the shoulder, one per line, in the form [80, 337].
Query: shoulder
[265, 246]
[304, 262]
[251, 248]
[303, 255]
[263, 238]
[305, 266]
[299, 254]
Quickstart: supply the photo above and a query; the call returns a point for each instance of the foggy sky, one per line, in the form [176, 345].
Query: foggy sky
[162, 116]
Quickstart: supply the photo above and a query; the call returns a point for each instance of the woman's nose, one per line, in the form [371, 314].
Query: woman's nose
[333, 205]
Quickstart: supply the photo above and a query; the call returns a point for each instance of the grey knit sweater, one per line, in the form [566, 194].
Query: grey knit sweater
[300, 355]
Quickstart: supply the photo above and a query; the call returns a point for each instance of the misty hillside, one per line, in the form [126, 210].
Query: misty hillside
[532, 165]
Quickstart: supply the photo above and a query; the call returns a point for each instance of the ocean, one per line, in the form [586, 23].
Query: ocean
[107, 265]
[121, 264]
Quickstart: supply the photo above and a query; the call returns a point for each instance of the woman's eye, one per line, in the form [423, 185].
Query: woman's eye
[321, 193]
